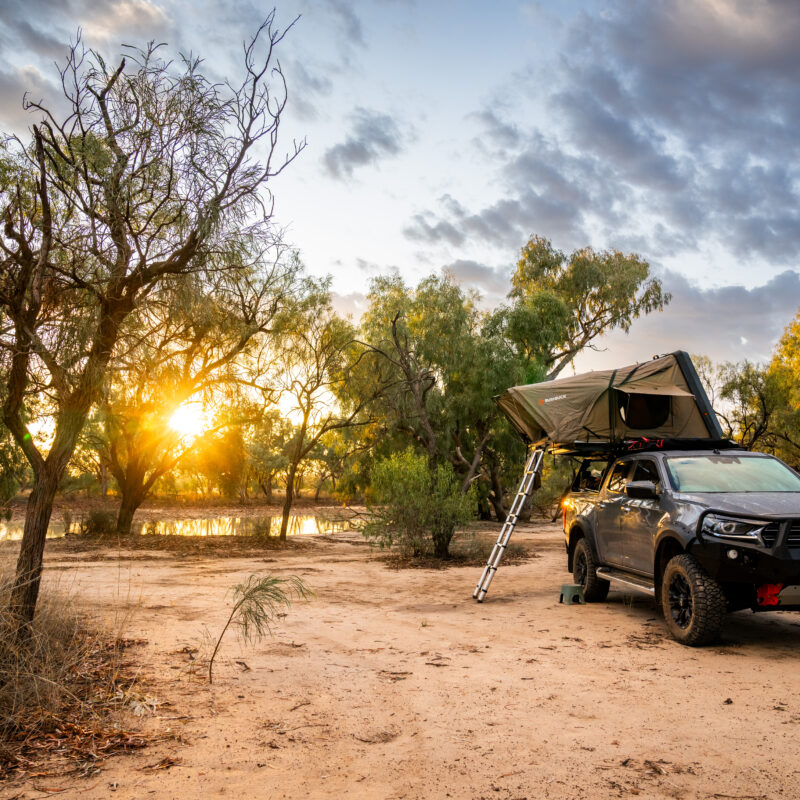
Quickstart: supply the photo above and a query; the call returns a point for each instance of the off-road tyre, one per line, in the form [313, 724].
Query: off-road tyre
[692, 602]
[584, 573]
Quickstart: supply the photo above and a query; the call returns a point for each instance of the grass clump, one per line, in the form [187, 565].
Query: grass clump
[60, 686]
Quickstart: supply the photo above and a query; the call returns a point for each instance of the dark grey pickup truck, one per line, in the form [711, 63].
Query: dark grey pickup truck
[704, 531]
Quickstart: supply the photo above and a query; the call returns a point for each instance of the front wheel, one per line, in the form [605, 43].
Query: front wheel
[584, 573]
[693, 602]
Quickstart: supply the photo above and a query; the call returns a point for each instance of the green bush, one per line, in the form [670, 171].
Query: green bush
[98, 523]
[416, 509]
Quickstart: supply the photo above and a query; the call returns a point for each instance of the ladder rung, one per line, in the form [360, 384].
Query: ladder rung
[532, 468]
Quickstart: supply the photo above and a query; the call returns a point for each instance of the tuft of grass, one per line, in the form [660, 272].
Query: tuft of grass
[256, 605]
[35, 673]
[60, 686]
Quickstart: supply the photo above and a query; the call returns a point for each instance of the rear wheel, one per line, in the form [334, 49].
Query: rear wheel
[584, 573]
[693, 602]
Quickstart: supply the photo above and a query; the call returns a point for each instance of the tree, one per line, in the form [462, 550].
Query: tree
[748, 404]
[563, 304]
[758, 405]
[311, 372]
[12, 470]
[151, 172]
[185, 346]
[438, 372]
[784, 376]
[444, 360]
[441, 363]
[266, 449]
[222, 457]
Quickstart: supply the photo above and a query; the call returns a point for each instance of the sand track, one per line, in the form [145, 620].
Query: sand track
[395, 684]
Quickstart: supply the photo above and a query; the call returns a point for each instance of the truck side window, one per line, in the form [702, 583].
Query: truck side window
[619, 475]
[646, 470]
[589, 477]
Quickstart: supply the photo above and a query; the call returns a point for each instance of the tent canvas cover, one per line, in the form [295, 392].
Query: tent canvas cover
[660, 399]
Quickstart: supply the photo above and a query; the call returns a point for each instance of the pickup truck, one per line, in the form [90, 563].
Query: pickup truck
[704, 531]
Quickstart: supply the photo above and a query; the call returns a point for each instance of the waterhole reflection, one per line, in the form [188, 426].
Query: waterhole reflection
[299, 525]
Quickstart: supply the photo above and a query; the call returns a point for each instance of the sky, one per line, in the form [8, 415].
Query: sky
[442, 134]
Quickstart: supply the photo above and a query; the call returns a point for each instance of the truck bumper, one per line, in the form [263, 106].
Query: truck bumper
[751, 564]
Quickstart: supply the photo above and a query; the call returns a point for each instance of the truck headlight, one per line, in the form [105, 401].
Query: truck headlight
[732, 528]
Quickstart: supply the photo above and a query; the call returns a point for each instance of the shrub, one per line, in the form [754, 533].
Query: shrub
[98, 523]
[416, 509]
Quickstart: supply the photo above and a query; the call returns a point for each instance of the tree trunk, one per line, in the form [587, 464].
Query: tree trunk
[29, 564]
[127, 509]
[526, 512]
[320, 484]
[103, 480]
[496, 495]
[441, 544]
[288, 500]
[266, 487]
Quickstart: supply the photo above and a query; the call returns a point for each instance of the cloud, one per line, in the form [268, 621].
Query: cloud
[498, 135]
[348, 20]
[139, 18]
[728, 323]
[349, 305]
[373, 136]
[547, 191]
[493, 283]
[14, 84]
[310, 84]
[673, 123]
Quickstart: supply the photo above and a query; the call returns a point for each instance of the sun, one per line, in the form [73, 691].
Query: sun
[188, 419]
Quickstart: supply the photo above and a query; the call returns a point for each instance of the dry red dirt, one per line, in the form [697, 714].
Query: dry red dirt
[396, 684]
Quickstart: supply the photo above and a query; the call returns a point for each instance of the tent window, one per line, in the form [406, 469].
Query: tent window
[644, 411]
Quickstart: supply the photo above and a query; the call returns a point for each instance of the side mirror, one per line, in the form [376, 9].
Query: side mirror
[642, 490]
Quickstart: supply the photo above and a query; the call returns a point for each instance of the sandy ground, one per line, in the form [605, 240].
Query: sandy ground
[396, 684]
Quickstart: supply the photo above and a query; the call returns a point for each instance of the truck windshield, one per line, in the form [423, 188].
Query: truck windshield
[731, 474]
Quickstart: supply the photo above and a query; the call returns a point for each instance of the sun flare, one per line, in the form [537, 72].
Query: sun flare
[188, 419]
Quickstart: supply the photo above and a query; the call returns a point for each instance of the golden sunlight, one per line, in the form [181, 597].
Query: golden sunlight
[189, 419]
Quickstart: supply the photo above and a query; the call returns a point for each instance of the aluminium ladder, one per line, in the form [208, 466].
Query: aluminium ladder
[532, 469]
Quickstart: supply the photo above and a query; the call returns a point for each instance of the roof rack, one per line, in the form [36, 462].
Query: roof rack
[603, 449]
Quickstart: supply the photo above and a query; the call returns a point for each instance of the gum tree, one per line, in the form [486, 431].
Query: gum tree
[150, 172]
[312, 371]
[561, 304]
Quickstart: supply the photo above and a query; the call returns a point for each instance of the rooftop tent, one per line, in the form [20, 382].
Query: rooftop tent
[662, 398]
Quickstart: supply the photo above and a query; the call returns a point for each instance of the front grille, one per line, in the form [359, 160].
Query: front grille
[793, 539]
[769, 535]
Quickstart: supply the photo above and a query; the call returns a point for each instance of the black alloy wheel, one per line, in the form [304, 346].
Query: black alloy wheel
[694, 604]
[584, 573]
[680, 601]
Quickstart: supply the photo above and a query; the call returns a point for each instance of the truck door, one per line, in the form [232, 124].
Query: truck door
[608, 532]
[640, 521]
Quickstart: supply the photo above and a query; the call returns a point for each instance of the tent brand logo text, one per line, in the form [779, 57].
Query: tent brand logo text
[544, 400]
